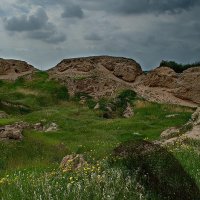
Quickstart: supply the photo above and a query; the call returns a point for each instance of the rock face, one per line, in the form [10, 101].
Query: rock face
[100, 76]
[12, 69]
[161, 77]
[188, 85]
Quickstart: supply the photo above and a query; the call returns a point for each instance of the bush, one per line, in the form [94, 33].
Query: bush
[126, 96]
[178, 68]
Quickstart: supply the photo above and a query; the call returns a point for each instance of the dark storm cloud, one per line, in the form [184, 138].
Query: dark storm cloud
[148, 6]
[27, 23]
[141, 6]
[72, 10]
[49, 35]
[36, 26]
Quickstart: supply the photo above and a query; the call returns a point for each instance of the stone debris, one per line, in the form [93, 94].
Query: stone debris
[14, 131]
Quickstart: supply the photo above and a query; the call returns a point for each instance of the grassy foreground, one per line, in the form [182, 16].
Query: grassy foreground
[30, 169]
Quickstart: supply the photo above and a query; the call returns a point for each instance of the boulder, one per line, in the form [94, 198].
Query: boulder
[14, 131]
[161, 77]
[188, 85]
[72, 162]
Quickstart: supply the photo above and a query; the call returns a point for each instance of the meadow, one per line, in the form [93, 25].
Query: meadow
[29, 169]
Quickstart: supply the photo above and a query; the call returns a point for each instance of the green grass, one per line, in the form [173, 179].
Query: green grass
[32, 165]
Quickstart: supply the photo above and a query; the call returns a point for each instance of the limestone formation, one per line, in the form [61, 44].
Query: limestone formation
[100, 76]
[12, 69]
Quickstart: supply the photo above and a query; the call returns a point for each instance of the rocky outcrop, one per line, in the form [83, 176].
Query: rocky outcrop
[12, 69]
[100, 76]
[188, 85]
[161, 77]
[106, 76]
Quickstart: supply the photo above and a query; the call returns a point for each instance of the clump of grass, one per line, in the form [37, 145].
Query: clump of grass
[93, 182]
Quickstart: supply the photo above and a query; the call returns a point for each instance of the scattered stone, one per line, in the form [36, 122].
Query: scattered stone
[52, 127]
[72, 162]
[3, 115]
[128, 112]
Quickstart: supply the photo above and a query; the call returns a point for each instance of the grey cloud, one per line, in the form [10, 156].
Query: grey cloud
[49, 36]
[72, 10]
[35, 26]
[93, 37]
[27, 23]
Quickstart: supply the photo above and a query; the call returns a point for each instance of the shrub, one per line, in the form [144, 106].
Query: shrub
[126, 96]
[61, 93]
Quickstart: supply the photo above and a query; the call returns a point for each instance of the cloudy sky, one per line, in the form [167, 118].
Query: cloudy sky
[43, 32]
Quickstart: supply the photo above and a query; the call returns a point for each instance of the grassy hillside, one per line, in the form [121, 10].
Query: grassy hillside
[30, 169]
